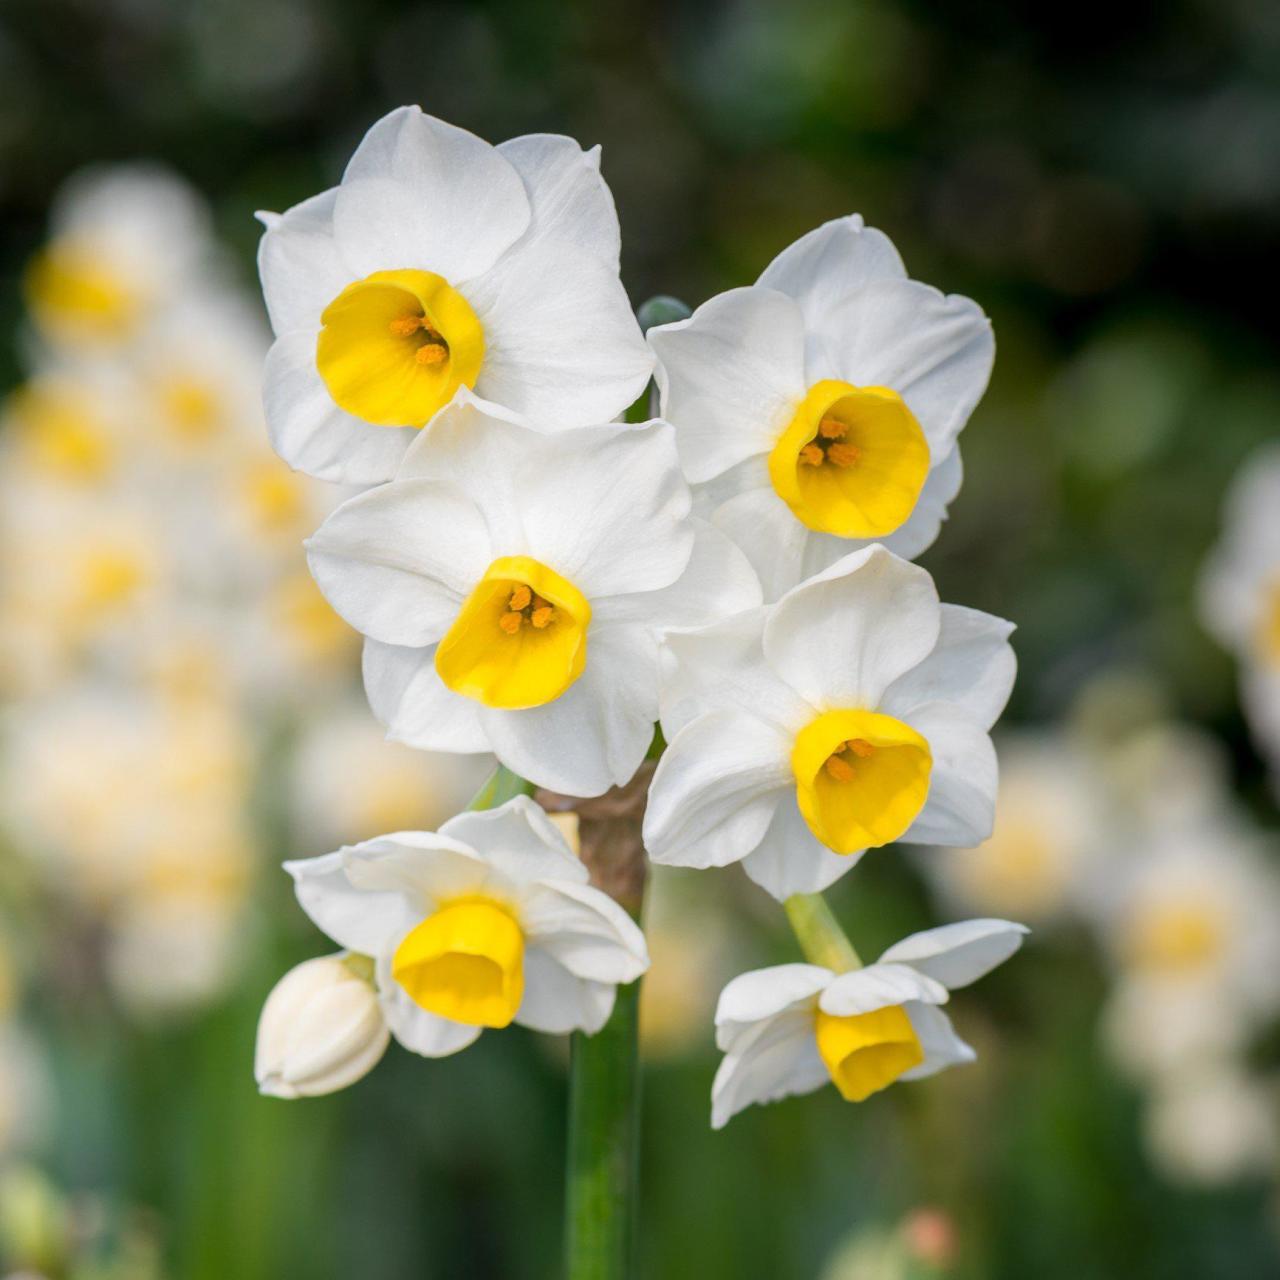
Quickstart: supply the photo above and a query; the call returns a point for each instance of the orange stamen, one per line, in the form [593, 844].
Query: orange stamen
[811, 455]
[543, 617]
[860, 747]
[844, 454]
[520, 598]
[831, 428]
[510, 622]
[406, 326]
[431, 353]
[839, 768]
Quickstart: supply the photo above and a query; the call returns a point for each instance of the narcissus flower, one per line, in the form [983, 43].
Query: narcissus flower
[512, 586]
[487, 922]
[818, 409]
[852, 713]
[442, 262]
[792, 1028]
[321, 1029]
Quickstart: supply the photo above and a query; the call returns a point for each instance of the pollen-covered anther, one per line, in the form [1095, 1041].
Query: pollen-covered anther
[521, 598]
[844, 454]
[432, 353]
[860, 747]
[832, 428]
[543, 616]
[811, 455]
[407, 325]
[511, 622]
[839, 768]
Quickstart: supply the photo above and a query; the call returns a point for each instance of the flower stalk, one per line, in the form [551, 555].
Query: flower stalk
[819, 934]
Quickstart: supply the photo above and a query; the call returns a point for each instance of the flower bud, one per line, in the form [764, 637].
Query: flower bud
[321, 1028]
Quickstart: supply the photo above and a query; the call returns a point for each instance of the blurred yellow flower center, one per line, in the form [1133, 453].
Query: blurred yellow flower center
[465, 963]
[852, 460]
[1019, 869]
[108, 577]
[396, 345]
[62, 432]
[865, 1052]
[1268, 633]
[1176, 936]
[74, 293]
[276, 496]
[520, 638]
[188, 407]
[861, 778]
[317, 634]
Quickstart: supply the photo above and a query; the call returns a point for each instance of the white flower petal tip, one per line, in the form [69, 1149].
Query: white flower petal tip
[850, 714]
[487, 922]
[790, 1029]
[582, 538]
[819, 409]
[442, 263]
[321, 1029]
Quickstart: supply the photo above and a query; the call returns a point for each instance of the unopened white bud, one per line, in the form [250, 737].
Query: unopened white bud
[321, 1028]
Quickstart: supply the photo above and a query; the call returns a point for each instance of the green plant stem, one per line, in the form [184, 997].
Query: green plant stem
[502, 785]
[603, 1158]
[819, 934]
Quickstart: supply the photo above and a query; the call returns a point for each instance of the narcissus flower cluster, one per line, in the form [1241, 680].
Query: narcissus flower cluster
[543, 571]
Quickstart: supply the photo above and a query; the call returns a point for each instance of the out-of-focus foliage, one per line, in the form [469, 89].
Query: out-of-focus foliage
[1109, 194]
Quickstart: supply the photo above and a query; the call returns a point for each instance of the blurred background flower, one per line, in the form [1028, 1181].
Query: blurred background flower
[182, 710]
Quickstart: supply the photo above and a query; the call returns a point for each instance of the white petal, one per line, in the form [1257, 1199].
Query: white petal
[424, 867]
[584, 930]
[721, 667]
[415, 1028]
[960, 809]
[422, 193]
[398, 561]
[407, 696]
[822, 268]
[300, 266]
[771, 537]
[780, 1061]
[311, 433]
[561, 343]
[843, 637]
[354, 918]
[557, 1002]
[519, 840]
[570, 200]
[716, 583]
[791, 860]
[604, 506]
[958, 954]
[595, 734]
[715, 790]
[730, 377]
[972, 667]
[942, 1047]
[764, 993]
[879, 986]
[935, 350]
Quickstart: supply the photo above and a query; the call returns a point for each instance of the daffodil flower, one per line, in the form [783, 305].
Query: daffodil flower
[792, 1028]
[852, 713]
[442, 262]
[818, 410]
[512, 586]
[487, 922]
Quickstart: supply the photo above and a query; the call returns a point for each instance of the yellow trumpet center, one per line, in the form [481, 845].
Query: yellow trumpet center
[75, 294]
[1176, 936]
[465, 962]
[395, 346]
[865, 1052]
[861, 778]
[852, 461]
[520, 638]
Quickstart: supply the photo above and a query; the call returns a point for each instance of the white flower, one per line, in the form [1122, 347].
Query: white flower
[512, 586]
[126, 240]
[852, 713]
[819, 408]
[1051, 827]
[442, 262]
[789, 1029]
[488, 922]
[1240, 591]
[321, 1029]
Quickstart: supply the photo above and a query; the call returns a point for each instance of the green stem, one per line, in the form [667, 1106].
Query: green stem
[604, 1146]
[501, 786]
[819, 934]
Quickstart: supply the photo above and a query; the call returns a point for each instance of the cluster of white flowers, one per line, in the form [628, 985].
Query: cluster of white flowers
[1135, 836]
[538, 578]
[156, 621]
